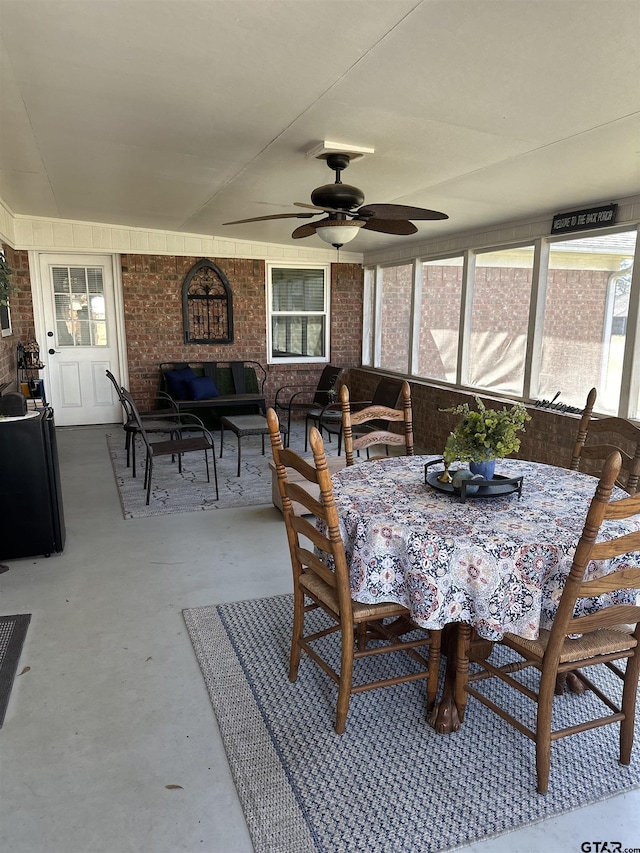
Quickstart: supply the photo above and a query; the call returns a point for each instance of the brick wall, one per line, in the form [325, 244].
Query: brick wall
[153, 320]
[21, 315]
[549, 435]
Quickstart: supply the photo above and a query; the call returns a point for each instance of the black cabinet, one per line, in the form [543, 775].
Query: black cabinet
[31, 514]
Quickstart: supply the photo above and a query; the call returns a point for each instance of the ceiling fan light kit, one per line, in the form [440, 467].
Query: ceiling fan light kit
[345, 213]
[337, 232]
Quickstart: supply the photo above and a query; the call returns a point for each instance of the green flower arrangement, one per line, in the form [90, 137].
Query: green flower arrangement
[485, 434]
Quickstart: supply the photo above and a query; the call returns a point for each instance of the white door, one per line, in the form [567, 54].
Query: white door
[81, 338]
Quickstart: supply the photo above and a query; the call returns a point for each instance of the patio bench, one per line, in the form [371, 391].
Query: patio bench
[215, 388]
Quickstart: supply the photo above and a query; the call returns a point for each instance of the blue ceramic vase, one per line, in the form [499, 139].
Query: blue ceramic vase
[486, 468]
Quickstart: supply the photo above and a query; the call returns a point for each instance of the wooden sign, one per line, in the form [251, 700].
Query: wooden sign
[582, 220]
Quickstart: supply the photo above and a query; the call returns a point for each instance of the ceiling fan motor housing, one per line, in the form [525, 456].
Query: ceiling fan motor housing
[342, 196]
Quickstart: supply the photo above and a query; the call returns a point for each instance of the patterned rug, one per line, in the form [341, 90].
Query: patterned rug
[389, 783]
[13, 630]
[189, 492]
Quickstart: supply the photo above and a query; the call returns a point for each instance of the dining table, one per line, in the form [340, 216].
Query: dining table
[495, 560]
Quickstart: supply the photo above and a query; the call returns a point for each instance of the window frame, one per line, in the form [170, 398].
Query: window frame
[630, 388]
[325, 268]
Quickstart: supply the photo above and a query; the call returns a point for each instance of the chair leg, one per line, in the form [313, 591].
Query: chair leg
[361, 636]
[149, 475]
[543, 729]
[215, 472]
[206, 463]
[346, 678]
[133, 454]
[629, 698]
[296, 633]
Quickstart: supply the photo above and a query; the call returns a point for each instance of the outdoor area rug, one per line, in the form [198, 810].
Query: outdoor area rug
[189, 492]
[13, 630]
[389, 783]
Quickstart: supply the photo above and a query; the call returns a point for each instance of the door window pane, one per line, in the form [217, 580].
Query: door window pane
[395, 318]
[440, 319]
[585, 319]
[79, 303]
[499, 320]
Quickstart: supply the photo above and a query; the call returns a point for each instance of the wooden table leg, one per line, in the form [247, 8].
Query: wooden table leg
[444, 717]
[568, 681]
[448, 714]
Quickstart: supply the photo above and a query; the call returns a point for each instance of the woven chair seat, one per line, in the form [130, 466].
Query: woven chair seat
[599, 642]
[361, 612]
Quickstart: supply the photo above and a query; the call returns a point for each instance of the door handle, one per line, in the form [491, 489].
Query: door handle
[52, 352]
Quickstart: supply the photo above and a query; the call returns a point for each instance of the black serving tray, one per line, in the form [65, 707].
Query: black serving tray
[498, 487]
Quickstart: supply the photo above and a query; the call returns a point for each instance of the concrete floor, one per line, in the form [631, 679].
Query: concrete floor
[114, 707]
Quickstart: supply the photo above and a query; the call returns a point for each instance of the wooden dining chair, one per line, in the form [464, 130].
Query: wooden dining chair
[174, 446]
[598, 437]
[611, 634]
[369, 426]
[387, 393]
[326, 586]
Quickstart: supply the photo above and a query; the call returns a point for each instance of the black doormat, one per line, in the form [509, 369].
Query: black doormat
[13, 630]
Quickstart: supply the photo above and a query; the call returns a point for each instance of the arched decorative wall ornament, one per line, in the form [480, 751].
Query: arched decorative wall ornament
[207, 305]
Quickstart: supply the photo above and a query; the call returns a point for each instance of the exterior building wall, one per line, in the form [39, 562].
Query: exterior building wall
[152, 287]
[21, 307]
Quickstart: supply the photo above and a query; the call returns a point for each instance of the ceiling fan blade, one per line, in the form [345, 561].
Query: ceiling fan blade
[399, 211]
[304, 231]
[273, 216]
[390, 226]
[315, 207]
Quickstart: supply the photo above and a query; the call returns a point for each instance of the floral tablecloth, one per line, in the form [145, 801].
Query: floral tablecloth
[496, 563]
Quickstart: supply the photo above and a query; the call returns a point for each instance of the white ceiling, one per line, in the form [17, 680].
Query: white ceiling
[183, 114]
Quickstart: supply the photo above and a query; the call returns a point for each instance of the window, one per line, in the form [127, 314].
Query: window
[79, 306]
[5, 311]
[541, 321]
[500, 319]
[395, 317]
[298, 313]
[585, 319]
[440, 319]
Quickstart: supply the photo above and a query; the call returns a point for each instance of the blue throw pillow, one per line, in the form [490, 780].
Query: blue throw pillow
[178, 382]
[203, 388]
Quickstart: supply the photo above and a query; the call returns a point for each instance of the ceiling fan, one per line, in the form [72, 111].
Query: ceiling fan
[346, 212]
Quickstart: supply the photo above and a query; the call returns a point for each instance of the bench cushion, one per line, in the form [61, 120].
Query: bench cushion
[202, 388]
[178, 382]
